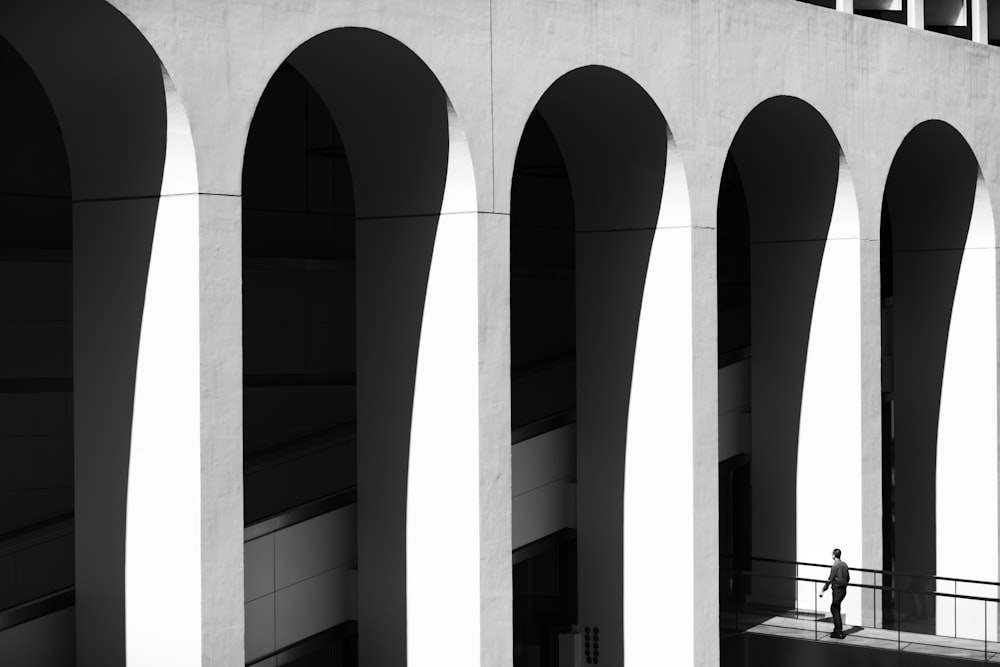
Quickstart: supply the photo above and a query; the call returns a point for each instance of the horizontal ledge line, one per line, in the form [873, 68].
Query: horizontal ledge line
[925, 250]
[346, 563]
[564, 479]
[295, 211]
[403, 216]
[93, 200]
[622, 229]
[263, 380]
[822, 240]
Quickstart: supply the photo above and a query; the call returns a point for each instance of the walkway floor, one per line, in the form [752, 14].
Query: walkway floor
[973, 649]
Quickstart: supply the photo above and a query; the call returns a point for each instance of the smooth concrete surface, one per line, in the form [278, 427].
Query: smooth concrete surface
[495, 452]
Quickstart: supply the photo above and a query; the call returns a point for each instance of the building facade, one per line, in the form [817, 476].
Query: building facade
[445, 332]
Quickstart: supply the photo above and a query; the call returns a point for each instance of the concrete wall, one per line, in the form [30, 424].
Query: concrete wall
[300, 581]
[703, 65]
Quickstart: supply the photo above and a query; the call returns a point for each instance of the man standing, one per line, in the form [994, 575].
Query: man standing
[840, 576]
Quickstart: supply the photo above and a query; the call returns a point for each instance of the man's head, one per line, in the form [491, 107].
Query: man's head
[836, 554]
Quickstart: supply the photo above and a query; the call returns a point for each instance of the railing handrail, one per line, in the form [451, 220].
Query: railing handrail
[892, 573]
[871, 586]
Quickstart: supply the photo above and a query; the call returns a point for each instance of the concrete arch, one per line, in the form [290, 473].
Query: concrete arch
[789, 244]
[627, 243]
[939, 383]
[414, 262]
[128, 148]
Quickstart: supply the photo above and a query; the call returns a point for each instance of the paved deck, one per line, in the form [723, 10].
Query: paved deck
[819, 630]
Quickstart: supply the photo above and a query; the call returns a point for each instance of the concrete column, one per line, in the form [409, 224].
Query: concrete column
[872, 556]
[495, 475]
[393, 262]
[108, 295]
[221, 403]
[915, 14]
[967, 442]
[980, 21]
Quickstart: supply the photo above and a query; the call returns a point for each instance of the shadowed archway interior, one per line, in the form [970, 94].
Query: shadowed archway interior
[938, 388]
[359, 217]
[588, 197]
[788, 259]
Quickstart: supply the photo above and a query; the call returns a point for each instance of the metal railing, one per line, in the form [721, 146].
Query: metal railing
[898, 611]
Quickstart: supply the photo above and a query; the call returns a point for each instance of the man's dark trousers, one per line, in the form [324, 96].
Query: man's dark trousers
[838, 596]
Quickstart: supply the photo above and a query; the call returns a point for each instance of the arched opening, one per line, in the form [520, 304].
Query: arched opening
[939, 385]
[129, 342]
[790, 441]
[360, 363]
[599, 236]
[36, 288]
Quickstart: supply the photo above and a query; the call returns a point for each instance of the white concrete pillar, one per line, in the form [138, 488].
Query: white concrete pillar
[163, 531]
[221, 392]
[495, 472]
[980, 21]
[443, 564]
[915, 14]
[660, 450]
[967, 437]
[829, 486]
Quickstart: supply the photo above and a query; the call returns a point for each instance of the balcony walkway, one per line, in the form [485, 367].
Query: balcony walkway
[820, 629]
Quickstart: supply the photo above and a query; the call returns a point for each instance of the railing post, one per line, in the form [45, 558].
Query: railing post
[845, 6]
[816, 615]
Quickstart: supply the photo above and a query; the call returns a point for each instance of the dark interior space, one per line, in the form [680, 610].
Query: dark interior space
[543, 373]
[543, 285]
[733, 243]
[299, 337]
[36, 329]
[298, 273]
[893, 16]
[733, 247]
[888, 416]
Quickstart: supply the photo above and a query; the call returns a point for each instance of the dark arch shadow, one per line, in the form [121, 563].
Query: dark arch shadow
[36, 368]
[775, 205]
[926, 214]
[586, 194]
[106, 87]
[391, 117]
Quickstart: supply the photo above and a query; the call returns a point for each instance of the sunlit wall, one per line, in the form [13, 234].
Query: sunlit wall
[967, 439]
[828, 482]
[659, 451]
[163, 518]
[442, 507]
